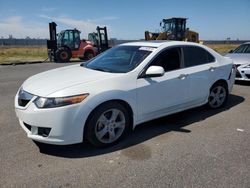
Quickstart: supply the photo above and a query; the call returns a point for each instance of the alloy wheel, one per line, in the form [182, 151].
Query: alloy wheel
[217, 96]
[110, 126]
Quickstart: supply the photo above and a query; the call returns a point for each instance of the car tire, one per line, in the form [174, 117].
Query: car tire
[107, 125]
[63, 55]
[88, 55]
[218, 95]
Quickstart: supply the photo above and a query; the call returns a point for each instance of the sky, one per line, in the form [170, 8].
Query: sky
[125, 19]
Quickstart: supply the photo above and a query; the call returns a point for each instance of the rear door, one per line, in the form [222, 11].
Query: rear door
[201, 68]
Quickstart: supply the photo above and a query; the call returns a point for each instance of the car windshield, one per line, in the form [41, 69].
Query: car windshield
[120, 59]
[59, 39]
[245, 48]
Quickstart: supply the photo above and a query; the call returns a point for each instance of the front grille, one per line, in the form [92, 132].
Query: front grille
[24, 98]
[248, 76]
[23, 102]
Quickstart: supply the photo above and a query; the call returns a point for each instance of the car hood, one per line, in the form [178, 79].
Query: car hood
[46, 83]
[239, 58]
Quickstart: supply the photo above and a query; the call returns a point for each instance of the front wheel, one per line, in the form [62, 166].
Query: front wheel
[107, 124]
[63, 55]
[218, 96]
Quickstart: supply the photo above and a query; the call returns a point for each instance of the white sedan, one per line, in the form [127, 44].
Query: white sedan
[241, 59]
[104, 98]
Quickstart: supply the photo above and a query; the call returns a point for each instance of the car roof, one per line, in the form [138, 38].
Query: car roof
[158, 43]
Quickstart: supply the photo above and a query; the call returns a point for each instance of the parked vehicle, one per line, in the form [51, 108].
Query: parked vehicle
[102, 99]
[67, 44]
[173, 29]
[241, 59]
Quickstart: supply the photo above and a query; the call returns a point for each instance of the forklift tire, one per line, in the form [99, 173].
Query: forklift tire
[63, 55]
[88, 55]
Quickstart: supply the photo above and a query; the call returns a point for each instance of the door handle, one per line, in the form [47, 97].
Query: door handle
[212, 69]
[182, 76]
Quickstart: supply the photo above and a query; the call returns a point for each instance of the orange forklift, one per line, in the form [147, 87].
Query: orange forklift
[67, 44]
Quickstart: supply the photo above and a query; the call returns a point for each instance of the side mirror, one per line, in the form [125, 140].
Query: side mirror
[154, 71]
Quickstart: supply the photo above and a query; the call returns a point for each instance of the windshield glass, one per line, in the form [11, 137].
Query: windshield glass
[242, 49]
[120, 59]
[59, 39]
[168, 26]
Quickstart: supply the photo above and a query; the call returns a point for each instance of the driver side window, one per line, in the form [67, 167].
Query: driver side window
[169, 59]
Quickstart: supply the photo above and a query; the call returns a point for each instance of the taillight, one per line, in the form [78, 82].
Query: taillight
[232, 72]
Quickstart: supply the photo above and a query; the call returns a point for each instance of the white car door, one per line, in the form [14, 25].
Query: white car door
[201, 68]
[157, 96]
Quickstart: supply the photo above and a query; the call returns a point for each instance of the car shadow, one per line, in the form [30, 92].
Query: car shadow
[176, 122]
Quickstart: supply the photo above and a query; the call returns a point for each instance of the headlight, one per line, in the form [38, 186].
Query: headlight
[42, 102]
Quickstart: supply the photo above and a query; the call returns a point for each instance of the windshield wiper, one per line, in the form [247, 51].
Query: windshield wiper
[96, 68]
[100, 69]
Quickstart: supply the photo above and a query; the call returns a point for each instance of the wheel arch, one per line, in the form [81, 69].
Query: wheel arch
[220, 81]
[120, 101]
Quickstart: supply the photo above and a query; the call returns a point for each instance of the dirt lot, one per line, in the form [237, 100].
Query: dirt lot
[39, 53]
[195, 148]
[22, 54]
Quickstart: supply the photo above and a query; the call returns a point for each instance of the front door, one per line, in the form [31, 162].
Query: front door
[158, 96]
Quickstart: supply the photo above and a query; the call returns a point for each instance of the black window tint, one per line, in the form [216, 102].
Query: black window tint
[240, 49]
[247, 50]
[196, 56]
[210, 58]
[168, 59]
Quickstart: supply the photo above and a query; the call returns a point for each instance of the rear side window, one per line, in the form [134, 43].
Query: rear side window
[196, 56]
[169, 59]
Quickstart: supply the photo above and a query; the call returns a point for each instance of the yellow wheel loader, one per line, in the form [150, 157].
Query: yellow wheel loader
[173, 29]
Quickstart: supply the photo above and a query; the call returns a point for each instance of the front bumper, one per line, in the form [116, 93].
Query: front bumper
[242, 73]
[65, 124]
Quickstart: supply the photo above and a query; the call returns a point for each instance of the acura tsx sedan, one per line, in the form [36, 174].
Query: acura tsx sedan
[101, 100]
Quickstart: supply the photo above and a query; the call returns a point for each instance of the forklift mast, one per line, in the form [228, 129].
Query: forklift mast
[103, 39]
[52, 42]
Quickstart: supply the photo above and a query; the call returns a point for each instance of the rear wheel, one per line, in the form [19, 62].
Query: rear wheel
[63, 55]
[218, 95]
[107, 124]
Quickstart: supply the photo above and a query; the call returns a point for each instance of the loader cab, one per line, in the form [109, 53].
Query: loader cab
[69, 38]
[175, 27]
